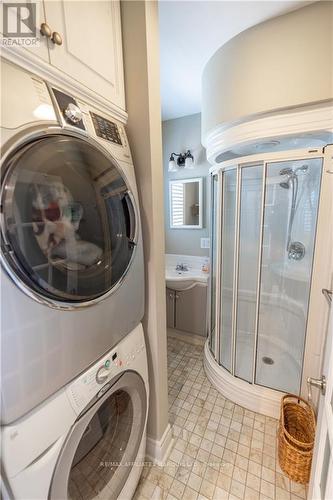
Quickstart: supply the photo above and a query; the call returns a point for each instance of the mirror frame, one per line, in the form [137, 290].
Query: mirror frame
[185, 181]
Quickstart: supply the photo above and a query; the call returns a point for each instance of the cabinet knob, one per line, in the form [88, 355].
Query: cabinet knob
[56, 38]
[45, 30]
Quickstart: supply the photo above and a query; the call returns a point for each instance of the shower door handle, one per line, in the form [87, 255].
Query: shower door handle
[320, 383]
[328, 294]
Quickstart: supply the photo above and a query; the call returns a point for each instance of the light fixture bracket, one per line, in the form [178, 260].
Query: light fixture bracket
[181, 157]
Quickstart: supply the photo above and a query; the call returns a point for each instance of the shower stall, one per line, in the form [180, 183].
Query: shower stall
[263, 235]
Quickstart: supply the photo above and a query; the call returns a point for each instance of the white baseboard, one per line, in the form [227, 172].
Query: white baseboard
[158, 451]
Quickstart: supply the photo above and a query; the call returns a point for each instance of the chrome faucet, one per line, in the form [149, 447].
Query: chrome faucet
[181, 267]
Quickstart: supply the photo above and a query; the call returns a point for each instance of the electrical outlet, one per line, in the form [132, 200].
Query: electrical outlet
[204, 242]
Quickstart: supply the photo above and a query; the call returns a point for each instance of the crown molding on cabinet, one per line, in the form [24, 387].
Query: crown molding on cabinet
[55, 77]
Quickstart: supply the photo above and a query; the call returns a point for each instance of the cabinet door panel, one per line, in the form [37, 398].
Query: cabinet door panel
[191, 310]
[170, 308]
[40, 50]
[91, 51]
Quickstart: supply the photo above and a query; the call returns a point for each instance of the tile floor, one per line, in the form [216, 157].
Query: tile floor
[221, 451]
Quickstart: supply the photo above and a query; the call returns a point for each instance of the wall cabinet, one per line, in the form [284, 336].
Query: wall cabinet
[82, 40]
[36, 50]
[91, 49]
[186, 309]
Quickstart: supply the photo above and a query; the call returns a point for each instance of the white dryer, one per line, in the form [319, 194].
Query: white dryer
[88, 440]
[71, 248]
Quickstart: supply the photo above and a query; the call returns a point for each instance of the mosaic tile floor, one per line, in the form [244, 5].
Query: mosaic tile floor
[221, 451]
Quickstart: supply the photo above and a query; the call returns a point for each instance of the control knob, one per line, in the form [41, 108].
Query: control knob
[73, 113]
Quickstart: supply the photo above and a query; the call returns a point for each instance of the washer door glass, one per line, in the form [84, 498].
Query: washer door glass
[103, 446]
[68, 219]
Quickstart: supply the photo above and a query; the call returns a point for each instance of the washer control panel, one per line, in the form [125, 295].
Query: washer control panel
[106, 129]
[86, 387]
[93, 384]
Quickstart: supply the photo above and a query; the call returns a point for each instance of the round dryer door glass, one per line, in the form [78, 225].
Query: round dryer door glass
[68, 219]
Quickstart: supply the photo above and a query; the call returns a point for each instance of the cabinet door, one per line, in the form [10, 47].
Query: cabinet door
[91, 49]
[39, 50]
[191, 310]
[170, 308]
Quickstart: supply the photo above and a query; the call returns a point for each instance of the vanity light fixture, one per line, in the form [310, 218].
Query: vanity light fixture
[184, 160]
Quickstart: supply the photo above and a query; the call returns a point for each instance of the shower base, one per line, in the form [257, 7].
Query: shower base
[252, 397]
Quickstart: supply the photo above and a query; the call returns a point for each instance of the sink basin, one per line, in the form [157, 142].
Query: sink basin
[184, 280]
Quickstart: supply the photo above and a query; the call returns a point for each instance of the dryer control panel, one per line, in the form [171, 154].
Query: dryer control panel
[69, 109]
[106, 129]
[74, 112]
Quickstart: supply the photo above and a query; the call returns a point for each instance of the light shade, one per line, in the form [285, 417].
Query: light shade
[189, 163]
[172, 165]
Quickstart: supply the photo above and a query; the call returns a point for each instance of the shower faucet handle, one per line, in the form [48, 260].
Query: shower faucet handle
[181, 267]
[296, 250]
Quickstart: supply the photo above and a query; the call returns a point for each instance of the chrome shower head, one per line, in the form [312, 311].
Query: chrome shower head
[285, 185]
[288, 173]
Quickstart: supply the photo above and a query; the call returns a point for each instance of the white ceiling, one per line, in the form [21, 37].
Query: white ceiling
[191, 31]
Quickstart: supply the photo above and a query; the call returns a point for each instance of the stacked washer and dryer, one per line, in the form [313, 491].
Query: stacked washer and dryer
[73, 357]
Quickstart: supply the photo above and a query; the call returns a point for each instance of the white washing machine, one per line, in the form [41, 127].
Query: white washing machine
[88, 440]
[71, 248]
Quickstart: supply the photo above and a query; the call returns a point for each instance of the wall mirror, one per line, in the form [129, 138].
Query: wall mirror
[185, 201]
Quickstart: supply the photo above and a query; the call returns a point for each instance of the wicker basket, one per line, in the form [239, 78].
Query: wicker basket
[296, 438]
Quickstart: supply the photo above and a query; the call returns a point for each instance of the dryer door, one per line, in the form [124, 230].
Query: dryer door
[103, 445]
[69, 224]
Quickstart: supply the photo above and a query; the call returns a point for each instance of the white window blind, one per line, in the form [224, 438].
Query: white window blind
[177, 209]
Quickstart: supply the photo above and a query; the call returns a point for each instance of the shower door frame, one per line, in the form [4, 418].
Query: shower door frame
[322, 267]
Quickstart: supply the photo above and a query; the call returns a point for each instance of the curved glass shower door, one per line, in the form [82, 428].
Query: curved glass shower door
[248, 267]
[227, 266]
[268, 228]
[213, 263]
[290, 218]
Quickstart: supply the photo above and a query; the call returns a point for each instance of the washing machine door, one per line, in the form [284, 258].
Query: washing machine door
[69, 221]
[103, 445]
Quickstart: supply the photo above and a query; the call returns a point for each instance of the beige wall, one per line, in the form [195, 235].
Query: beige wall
[141, 60]
[285, 61]
[179, 135]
